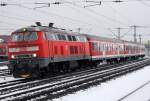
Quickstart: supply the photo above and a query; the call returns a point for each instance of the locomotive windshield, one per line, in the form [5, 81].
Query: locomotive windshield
[27, 36]
[17, 37]
[30, 36]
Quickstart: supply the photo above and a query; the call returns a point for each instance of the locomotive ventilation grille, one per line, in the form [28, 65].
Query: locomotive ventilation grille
[23, 56]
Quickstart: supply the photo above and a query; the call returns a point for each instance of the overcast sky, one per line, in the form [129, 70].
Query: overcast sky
[71, 15]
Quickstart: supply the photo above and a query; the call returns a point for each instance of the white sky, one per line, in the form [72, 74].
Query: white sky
[92, 20]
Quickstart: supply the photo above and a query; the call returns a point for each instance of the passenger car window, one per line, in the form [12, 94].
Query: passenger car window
[74, 38]
[81, 38]
[69, 38]
[61, 37]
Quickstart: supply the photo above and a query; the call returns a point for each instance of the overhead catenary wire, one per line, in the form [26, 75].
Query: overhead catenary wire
[99, 14]
[52, 14]
[67, 18]
[110, 19]
[121, 15]
[76, 20]
[141, 1]
[96, 20]
[123, 35]
[16, 18]
[90, 10]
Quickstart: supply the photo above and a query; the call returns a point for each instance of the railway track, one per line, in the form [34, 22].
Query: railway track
[101, 67]
[57, 86]
[4, 73]
[24, 84]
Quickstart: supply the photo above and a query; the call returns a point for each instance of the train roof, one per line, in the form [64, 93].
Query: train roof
[101, 38]
[109, 39]
[63, 31]
[46, 29]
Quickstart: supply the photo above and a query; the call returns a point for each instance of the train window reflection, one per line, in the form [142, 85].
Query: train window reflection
[30, 36]
[17, 37]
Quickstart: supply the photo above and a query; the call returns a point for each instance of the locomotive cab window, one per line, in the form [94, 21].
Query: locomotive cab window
[30, 36]
[27, 36]
[17, 37]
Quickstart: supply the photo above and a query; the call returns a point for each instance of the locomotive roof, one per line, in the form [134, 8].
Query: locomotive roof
[46, 29]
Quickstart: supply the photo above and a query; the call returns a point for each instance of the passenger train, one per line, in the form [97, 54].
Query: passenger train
[38, 50]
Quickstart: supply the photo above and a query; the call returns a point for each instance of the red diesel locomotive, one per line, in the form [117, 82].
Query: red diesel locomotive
[3, 47]
[38, 50]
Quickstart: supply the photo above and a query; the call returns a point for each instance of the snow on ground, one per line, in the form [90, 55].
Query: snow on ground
[115, 89]
[3, 67]
[3, 78]
[142, 94]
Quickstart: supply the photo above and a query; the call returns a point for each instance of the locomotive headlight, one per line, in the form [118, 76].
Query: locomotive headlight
[12, 56]
[34, 55]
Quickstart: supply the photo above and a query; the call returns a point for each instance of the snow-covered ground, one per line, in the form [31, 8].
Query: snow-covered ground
[115, 89]
[3, 78]
[112, 90]
[3, 67]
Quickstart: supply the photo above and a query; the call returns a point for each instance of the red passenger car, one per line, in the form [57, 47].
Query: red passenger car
[3, 47]
[113, 50]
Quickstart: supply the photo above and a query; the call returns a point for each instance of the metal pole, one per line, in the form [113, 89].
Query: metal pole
[119, 33]
[140, 38]
[148, 47]
[135, 34]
